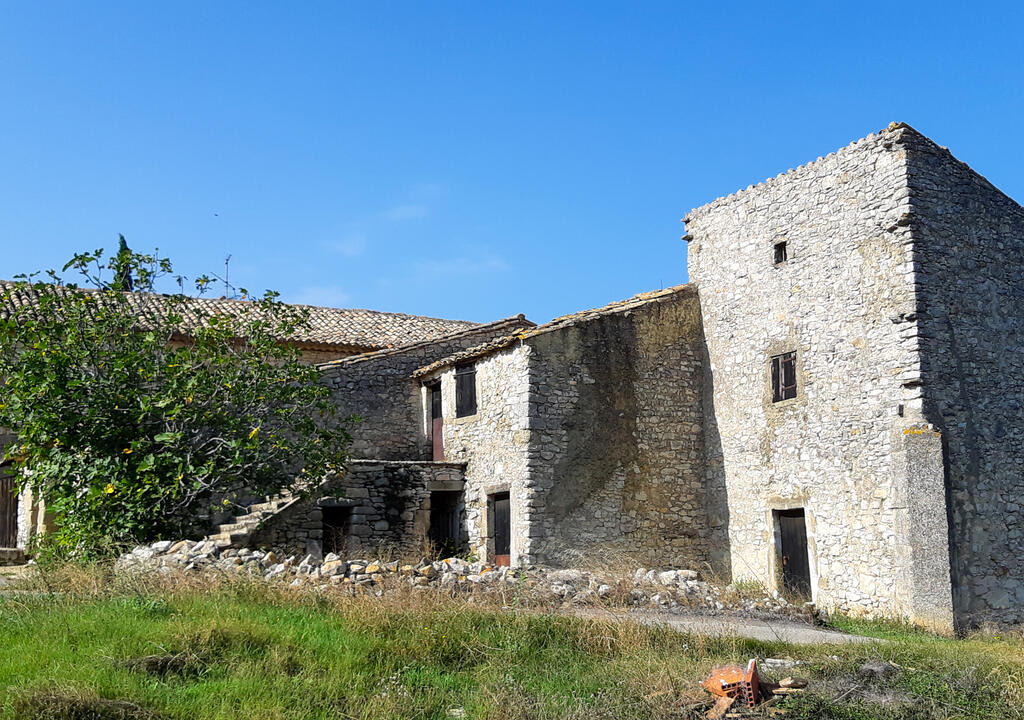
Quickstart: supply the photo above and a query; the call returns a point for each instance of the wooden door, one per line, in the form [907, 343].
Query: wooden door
[8, 512]
[796, 566]
[436, 423]
[502, 530]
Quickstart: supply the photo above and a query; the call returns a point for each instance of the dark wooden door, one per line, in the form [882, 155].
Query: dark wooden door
[796, 567]
[502, 530]
[8, 511]
[436, 423]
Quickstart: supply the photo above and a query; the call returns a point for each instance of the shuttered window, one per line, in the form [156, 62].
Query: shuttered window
[784, 377]
[465, 390]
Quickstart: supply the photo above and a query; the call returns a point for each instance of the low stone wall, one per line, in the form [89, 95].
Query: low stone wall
[387, 503]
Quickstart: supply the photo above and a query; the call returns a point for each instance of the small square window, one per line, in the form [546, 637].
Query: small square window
[780, 252]
[784, 377]
[465, 390]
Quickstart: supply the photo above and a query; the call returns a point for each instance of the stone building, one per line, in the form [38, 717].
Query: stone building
[331, 334]
[831, 408]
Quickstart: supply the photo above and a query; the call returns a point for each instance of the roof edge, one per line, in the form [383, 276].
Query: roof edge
[871, 137]
[516, 320]
[564, 321]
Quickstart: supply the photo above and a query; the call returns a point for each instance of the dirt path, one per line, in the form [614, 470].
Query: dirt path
[789, 631]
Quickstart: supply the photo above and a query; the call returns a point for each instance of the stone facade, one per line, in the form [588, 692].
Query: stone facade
[616, 462]
[385, 506]
[593, 425]
[494, 444]
[837, 302]
[379, 388]
[968, 265]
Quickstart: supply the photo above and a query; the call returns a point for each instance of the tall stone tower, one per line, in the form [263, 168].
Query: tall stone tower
[864, 320]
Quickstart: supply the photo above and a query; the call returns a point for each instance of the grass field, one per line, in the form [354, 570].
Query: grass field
[81, 644]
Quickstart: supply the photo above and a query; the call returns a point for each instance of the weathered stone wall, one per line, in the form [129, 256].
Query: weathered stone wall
[380, 389]
[840, 301]
[494, 444]
[969, 277]
[390, 502]
[616, 462]
[594, 427]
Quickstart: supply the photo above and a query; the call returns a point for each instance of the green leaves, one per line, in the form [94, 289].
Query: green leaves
[132, 422]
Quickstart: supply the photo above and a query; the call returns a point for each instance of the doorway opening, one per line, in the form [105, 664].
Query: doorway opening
[337, 529]
[793, 559]
[8, 511]
[501, 528]
[436, 422]
[446, 507]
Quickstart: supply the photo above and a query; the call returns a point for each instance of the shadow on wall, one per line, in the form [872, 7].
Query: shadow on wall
[716, 497]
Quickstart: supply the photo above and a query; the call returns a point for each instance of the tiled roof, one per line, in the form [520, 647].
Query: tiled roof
[516, 323]
[351, 328]
[558, 323]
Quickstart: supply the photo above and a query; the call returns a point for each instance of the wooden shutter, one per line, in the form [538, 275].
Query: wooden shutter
[465, 390]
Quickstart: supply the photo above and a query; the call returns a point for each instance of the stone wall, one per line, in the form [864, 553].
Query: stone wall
[390, 510]
[839, 301]
[592, 424]
[494, 445]
[968, 270]
[616, 457]
[380, 389]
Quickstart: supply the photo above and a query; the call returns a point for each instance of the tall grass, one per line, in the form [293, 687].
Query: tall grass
[83, 643]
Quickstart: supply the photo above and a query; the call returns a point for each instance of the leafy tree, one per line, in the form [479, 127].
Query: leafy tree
[136, 412]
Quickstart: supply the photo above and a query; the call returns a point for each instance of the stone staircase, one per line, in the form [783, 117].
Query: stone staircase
[237, 532]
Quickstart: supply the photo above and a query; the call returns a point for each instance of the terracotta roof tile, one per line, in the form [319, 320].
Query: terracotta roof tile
[351, 328]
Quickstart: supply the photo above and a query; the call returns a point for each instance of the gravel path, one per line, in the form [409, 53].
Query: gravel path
[725, 625]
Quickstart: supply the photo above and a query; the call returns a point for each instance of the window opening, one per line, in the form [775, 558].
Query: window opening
[780, 252]
[784, 377]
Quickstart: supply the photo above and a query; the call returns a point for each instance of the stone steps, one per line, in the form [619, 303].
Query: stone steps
[237, 532]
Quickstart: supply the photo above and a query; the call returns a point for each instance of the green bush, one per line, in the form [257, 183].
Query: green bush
[134, 412]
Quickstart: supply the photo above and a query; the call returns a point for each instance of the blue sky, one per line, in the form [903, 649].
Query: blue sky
[468, 160]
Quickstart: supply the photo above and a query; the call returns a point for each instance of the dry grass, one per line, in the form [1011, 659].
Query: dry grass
[81, 642]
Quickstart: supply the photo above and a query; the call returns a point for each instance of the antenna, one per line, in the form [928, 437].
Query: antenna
[227, 284]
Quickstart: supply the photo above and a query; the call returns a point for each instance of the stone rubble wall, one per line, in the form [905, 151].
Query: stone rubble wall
[838, 301]
[968, 270]
[671, 590]
[379, 388]
[494, 444]
[390, 503]
[616, 454]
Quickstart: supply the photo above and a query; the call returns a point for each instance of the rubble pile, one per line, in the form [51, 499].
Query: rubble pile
[654, 589]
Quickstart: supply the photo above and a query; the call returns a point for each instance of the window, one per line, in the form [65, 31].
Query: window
[780, 253]
[465, 390]
[784, 377]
